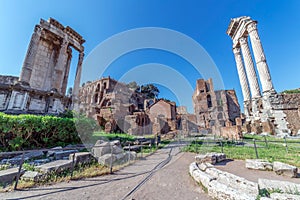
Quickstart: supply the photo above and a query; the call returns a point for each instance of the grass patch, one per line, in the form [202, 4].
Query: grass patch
[275, 151]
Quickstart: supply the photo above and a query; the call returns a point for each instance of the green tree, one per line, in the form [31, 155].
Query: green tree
[134, 86]
[150, 90]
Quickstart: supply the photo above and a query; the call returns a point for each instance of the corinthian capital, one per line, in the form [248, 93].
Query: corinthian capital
[251, 27]
[243, 40]
[236, 50]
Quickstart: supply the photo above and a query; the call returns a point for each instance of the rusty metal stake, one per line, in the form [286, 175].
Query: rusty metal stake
[256, 153]
[73, 164]
[19, 172]
[266, 141]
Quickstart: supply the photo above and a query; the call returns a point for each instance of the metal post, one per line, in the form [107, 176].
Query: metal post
[266, 141]
[222, 149]
[129, 153]
[255, 149]
[197, 145]
[141, 151]
[111, 159]
[19, 172]
[73, 164]
[285, 144]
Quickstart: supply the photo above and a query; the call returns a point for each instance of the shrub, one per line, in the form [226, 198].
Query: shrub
[32, 131]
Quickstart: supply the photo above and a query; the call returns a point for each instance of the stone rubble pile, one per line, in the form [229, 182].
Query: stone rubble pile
[278, 167]
[111, 153]
[45, 162]
[224, 185]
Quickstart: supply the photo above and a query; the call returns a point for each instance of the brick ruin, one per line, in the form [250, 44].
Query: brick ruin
[41, 87]
[266, 112]
[117, 108]
[216, 111]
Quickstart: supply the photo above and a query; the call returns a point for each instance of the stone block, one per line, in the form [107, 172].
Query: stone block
[202, 177]
[218, 190]
[62, 154]
[285, 169]
[107, 159]
[101, 149]
[81, 157]
[9, 175]
[53, 150]
[207, 158]
[259, 164]
[284, 196]
[204, 166]
[283, 186]
[233, 181]
[55, 166]
[32, 176]
[220, 157]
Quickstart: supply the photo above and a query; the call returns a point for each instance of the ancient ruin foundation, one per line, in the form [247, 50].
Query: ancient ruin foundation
[267, 112]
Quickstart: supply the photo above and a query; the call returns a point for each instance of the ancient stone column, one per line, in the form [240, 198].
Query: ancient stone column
[60, 67]
[77, 80]
[30, 55]
[260, 59]
[249, 66]
[241, 73]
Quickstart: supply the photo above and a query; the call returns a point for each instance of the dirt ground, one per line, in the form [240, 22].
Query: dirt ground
[170, 182]
[238, 168]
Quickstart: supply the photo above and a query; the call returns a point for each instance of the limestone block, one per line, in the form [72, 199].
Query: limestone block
[204, 166]
[107, 159]
[101, 149]
[218, 190]
[55, 166]
[53, 150]
[233, 181]
[81, 157]
[9, 175]
[193, 166]
[283, 186]
[280, 196]
[202, 177]
[32, 176]
[61, 154]
[258, 164]
[209, 158]
[285, 169]
[220, 157]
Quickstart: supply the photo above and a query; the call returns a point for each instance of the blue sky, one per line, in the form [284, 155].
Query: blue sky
[203, 21]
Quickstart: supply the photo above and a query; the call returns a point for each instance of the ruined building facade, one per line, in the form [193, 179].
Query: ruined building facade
[215, 109]
[117, 108]
[265, 109]
[41, 87]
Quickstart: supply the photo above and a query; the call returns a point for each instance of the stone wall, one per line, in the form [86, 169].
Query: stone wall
[8, 80]
[214, 109]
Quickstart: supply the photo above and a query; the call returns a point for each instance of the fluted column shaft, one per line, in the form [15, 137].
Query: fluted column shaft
[30, 55]
[241, 73]
[77, 78]
[260, 59]
[249, 66]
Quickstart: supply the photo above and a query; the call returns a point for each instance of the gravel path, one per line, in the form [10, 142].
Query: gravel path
[172, 181]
